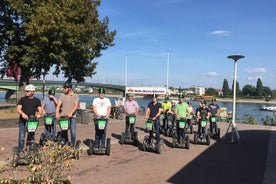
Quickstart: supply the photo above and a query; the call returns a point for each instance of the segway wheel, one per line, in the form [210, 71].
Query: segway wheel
[160, 146]
[135, 136]
[174, 141]
[218, 133]
[195, 138]
[145, 143]
[122, 139]
[187, 143]
[42, 139]
[59, 137]
[90, 147]
[191, 129]
[168, 132]
[108, 146]
[208, 139]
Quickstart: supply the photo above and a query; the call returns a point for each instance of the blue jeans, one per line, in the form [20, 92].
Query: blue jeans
[99, 134]
[129, 127]
[50, 129]
[73, 122]
[21, 135]
[156, 124]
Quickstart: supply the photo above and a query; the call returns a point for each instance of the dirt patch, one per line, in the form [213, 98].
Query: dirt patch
[9, 113]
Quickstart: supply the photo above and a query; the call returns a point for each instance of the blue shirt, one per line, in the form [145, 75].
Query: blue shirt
[49, 105]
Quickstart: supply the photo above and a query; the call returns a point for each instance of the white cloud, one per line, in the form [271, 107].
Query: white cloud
[212, 74]
[254, 78]
[220, 33]
[256, 70]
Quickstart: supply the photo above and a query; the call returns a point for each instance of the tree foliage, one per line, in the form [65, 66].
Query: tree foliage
[211, 92]
[225, 88]
[248, 90]
[259, 88]
[64, 34]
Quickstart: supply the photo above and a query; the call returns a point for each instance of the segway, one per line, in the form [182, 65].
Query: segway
[31, 153]
[148, 143]
[48, 120]
[214, 130]
[62, 136]
[130, 139]
[101, 123]
[198, 137]
[178, 140]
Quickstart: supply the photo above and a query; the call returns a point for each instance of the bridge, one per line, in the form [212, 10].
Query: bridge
[9, 84]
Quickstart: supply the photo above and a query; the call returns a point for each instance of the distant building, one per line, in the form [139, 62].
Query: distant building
[199, 90]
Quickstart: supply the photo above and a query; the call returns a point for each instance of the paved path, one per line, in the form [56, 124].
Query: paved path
[252, 161]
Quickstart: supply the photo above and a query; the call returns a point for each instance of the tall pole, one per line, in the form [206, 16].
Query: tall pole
[233, 122]
[168, 65]
[125, 74]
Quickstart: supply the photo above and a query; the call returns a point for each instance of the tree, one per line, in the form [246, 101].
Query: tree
[267, 91]
[259, 88]
[225, 88]
[211, 92]
[67, 35]
[248, 90]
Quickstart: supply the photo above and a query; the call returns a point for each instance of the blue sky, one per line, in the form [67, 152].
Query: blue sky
[195, 37]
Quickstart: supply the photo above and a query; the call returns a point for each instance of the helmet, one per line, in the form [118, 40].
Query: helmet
[101, 90]
[67, 85]
[213, 99]
[167, 98]
[130, 94]
[181, 96]
[154, 95]
[203, 102]
[30, 87]
[52, 91]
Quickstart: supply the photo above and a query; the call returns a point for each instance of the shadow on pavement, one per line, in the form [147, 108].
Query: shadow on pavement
[229, 163]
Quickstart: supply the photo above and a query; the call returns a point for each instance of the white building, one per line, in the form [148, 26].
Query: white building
[199, 90]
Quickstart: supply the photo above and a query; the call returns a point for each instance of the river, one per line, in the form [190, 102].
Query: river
[243, 110]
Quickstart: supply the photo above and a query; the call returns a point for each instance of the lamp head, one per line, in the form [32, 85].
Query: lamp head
[235, 57]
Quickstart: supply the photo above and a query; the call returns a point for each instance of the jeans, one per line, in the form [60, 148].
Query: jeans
[50, 129]
[180, 132]
[129, 127]
[99, 134]
[21, 135]
[156, 124]
[202, 130]
[73, 122]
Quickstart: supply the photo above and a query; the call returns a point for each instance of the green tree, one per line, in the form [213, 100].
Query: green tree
[248, 90]
[259, 88]
[67, 35]
[238, 90]
[267, 91]
[225, 88]
[211, 92]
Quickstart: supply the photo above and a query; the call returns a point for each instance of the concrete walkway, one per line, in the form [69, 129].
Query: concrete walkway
[252, 161]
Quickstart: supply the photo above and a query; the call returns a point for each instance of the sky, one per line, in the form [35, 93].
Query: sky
[186, 42]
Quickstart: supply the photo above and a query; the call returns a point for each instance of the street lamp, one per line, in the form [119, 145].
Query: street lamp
[168, 64]
[232, 124]
[125, 75]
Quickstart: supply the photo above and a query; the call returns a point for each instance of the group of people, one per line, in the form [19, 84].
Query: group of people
[67, 105]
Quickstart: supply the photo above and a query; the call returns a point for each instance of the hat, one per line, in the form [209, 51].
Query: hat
[181, 96]
[130, 94]
[167, 98]
[52, 91]
[30, 87]
[203, 102]
[67, 85]
[101, 90]
[213, 100]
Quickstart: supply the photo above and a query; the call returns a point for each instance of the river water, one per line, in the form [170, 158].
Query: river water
[243, 110]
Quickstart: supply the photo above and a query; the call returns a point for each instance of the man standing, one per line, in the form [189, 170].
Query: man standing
[166, 108]
[49, 109]
[153, 112]
[131, 107]
[214, 110]
[69, 102]
[27, 107]
[101, 107]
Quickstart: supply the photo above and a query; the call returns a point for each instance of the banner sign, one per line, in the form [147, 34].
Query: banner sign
[146, 90]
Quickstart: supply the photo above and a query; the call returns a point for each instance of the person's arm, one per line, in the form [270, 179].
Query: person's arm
[58, 109]
[20, 112]
[39, 115]
[43, 108]
[147, 113]
[108, 111]
[75, 107]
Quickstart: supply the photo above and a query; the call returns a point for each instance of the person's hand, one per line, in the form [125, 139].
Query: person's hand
[24, 116]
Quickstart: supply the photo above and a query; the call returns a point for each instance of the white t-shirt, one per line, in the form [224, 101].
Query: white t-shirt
[101, 105]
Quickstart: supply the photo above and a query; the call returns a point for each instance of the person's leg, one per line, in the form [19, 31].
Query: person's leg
[127, 127]
[104, 135]
[54, 128]
[73, 123]
[21, 135]
[97, 133]
[157, 128]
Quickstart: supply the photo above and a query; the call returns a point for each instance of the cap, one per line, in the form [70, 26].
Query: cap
[30, 87]
[52, 91]
[67, 85]
[130, 94]
[213, 100]
[203, 102]
[101, 90]
[167, 98]
[181, 96]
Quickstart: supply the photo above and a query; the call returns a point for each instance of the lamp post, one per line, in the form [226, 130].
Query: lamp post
[168, 64]
[233, 122]
[125, 75]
